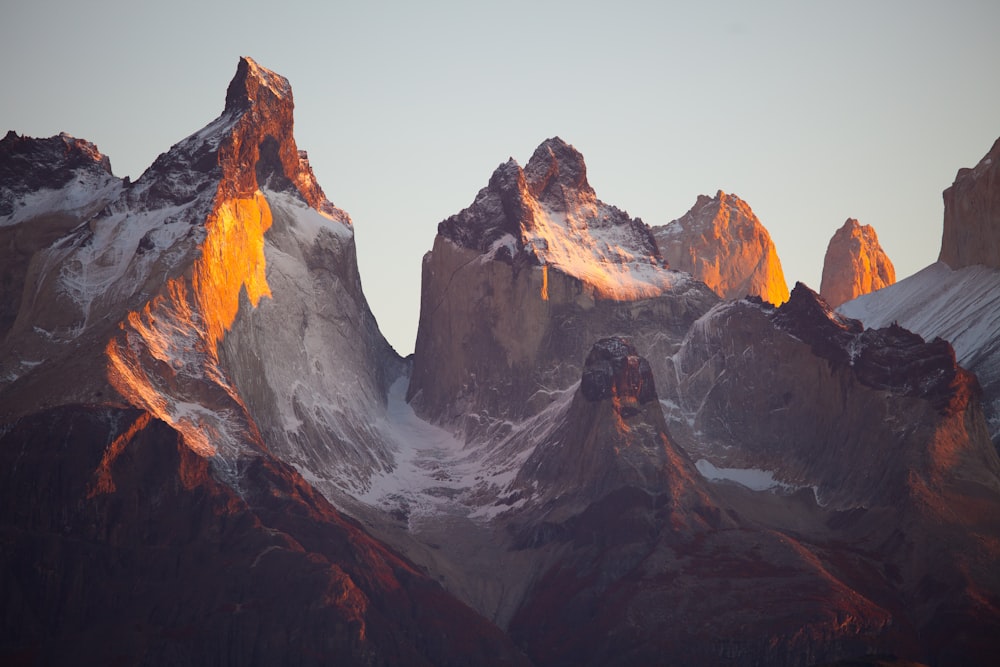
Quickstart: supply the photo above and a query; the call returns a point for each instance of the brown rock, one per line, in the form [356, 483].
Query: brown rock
[722, 243]
[521, 283]
[139, 554]
[972, 215]
[855, 264]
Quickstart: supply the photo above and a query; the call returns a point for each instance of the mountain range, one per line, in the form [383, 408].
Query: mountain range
[614, 444]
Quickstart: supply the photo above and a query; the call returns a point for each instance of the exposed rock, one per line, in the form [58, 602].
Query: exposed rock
[228, 220]
[962, 307]
[972, 215]
[47, 187]
[722, 243]
[30, 165]
[520, 284]
[226, 372]
[134, 552]
[613, 436]
[813, 396]
[855, 264]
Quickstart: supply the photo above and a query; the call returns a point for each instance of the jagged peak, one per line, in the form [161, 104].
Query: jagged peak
[555, 170]
[62, 153]
[36, 165]
[254, 84]
[710, 210]
[971, 233]
[854, 264]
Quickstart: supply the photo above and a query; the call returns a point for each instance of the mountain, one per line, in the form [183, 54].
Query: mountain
[210, 319]
[972, 216]
[647, 561]
[743, 404]
[210, 453]
[958, 297]
[520, 284]
[722, 243]
[855, 264]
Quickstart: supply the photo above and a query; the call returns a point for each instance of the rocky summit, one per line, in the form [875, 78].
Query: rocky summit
[972, 215]
[597, 454]
[721, 242]
[855, 264]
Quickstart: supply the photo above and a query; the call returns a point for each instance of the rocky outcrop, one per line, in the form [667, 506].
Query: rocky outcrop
[962, 307]
[47, 187]
[972, 215]
[722, 243]
[135, 552]
[855, 264]
[519, 285]
[37, 166]
[814, 396]
[612, 437]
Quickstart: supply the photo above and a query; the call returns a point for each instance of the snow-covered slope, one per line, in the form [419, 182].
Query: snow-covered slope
[962, 307]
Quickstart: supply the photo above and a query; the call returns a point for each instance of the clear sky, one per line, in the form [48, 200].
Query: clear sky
[812, 112]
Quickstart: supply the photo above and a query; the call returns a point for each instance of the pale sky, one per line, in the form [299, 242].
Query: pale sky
[812, 112]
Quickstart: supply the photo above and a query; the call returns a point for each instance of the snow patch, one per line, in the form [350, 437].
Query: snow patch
[589, 244]
[84, 193]
[306, 222]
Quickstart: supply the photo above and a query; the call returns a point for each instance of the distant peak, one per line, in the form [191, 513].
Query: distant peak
[854, 264]
[29, 163]
[254, 84]
[556, 165]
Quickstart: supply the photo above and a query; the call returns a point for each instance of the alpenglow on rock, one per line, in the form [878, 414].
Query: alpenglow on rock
[722, 243]
[520, 284]
[972, 215]
[855, 264]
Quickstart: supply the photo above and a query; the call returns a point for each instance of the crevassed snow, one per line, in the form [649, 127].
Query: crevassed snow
[752, 478]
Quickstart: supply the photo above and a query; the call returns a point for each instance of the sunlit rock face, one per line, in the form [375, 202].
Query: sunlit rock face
[183, 352]
[164, 267]
[519, 285]
[721, 242]
[855, 264]
[972, 215]
[815, 398]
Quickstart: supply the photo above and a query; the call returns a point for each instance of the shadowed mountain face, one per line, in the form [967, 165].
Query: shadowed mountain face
[589, 460]
[122, 545]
